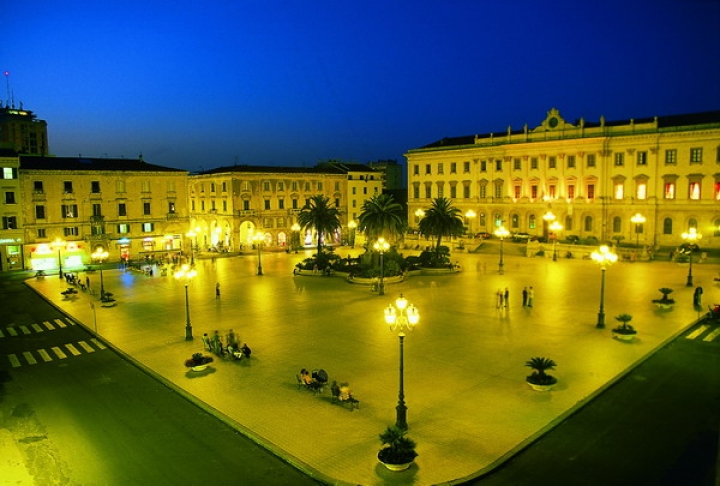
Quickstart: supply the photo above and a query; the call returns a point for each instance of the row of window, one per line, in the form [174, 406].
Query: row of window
[75, 230]
[267, 186]
[588, 223]
[71, 210]
[267, 204]
[641, 191]
[120, 186]
[619, 159]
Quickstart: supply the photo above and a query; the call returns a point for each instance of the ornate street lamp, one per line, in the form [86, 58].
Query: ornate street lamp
[638, 219]
[258, 239]
[100, 254]
[296, 236]
[399, 317]
[691, 237]
[381, 246]
[186, 274]
[555, 227]
[59, 244]
[603, 257]
[470, 216]
[351, 226]
[548, 217]
[192, 234]
[501, 233]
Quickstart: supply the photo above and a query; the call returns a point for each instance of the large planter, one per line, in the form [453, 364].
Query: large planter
[623, 337]
[201, 367]
[395, 467]
[540, 387]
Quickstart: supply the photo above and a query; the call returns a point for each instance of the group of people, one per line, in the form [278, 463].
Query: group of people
[342, 392]
[229, 348]
[503, 297]
[315, 380]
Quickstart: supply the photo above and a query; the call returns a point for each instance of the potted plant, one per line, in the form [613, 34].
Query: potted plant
[198, 362]
[399, 451]
[665, 301]
[539, 380]
[624, 332]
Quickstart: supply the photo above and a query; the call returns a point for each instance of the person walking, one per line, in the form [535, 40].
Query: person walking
[507, 297]
[87, 281]
[206, 341]
[500, 298]
[217, 291]
[525, 296]
[531, 296]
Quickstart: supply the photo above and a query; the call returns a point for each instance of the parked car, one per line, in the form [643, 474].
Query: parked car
[520, 236]
[574, 239]
[483, 235]
[539, 238]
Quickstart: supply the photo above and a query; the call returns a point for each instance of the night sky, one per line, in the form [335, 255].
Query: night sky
[197, 85]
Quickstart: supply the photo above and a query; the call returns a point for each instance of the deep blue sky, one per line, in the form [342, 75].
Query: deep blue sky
[205, 84]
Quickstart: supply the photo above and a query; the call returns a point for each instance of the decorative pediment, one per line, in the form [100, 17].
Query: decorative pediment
[553, 122]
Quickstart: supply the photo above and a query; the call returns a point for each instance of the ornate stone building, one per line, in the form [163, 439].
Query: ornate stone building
[73, 205]
[230, 206]
[591, 177]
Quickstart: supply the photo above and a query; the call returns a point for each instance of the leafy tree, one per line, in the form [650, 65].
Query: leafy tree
[317, 214]
[382, 216]
[442, 219]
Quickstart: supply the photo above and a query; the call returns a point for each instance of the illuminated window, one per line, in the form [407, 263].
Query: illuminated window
[642, 158]
[619, 189]
[670, 157]
[669, 190]
[694, 192]
[148, 227]
[123, 228]
[514, 221]
[551, 191]
[619, 159]
[717, 191]
[641, 191]
[9, 173]
[532, 222]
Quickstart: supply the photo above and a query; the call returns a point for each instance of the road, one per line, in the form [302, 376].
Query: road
[94, 418]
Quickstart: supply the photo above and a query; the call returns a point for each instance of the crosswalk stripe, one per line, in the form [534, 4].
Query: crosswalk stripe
[97, 343]
[86, 347]
[70, 321]
[49, 326]
[697, 332]
[30, 358]
[712, 335]
[60, 323]
[14, 361]
[58, 352]
[44, 355]
[73, 350]
[12, 331]
[25, 330]
[37, 328]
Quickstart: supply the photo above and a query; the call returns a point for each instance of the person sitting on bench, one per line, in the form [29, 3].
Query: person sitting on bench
[346, 394]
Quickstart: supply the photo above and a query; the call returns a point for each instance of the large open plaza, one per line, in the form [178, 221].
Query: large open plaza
[469, 407]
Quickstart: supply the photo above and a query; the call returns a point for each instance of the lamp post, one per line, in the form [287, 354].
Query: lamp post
[603, 257]
[548, 217]
[555, 227]
[501, 233]
[100, 254]
[59, 244]
[186, 274]
[691, 236]
[399, 317]
[193, 244]
[381, 246]
[296, 236]
[351, 226]
[258, 239]
[470, 215]
[638, 219]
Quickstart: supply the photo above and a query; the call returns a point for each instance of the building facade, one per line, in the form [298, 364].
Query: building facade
[592, 178]
[72, 206]
[230, 207]
[20, 130]
[11, 231]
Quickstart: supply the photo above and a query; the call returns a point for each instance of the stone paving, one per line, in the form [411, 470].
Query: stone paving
[469, 407]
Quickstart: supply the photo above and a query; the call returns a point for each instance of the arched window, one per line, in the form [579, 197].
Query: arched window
[498, 220]
[667, 226]
[617, 224]
[532, 221]
[515, 221]
[568, 223]
[588, 223]
[692, 223]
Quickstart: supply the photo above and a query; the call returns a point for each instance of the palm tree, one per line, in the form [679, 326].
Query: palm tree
[382, 216]
[442, 219]
[318, 214]
[539, 365]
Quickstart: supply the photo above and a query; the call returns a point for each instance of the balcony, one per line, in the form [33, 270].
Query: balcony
[246, 213]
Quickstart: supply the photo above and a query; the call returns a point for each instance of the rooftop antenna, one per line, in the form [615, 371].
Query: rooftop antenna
[7, 84]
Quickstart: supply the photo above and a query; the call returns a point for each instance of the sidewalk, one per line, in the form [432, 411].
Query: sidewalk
[469, 408]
